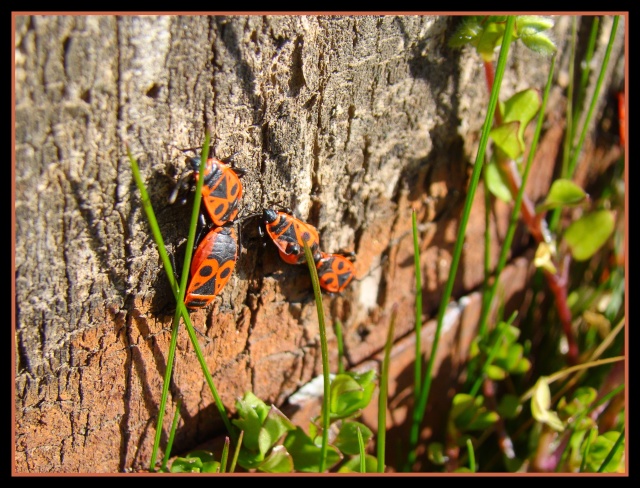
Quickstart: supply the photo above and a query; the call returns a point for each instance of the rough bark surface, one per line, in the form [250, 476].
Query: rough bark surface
[350, 121]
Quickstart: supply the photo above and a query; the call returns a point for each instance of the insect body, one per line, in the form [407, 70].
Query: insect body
[335, 271]
[211, 267]
[221, 188]
[289, 235]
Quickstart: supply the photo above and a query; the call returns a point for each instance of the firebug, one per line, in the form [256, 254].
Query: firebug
[212, 265]
[221, 188]
[289, 235]
[335, 271]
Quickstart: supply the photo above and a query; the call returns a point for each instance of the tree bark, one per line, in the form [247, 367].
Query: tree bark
[350, 121]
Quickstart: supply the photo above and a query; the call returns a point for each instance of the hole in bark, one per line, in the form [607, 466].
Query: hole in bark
[153, 91]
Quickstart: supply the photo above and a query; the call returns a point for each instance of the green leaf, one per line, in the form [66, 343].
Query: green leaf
[435, 453]
[469, 413]
[252, 402]
[489, 39]
[522, 107]
[600, 449]
[496, 373]
[511, 333]
[495, 181]
[509, 406]
[532, 24]
[580, 402]
[587, 234]
[278, 461]
[251, 425]
[251, 412]
[483, 421]
[186, 465]
[467, 32]
[462, 410]
[514, 354]
[249, 459]
[347, 439]
[346, 394]
[306, 455]
[530, 29]
[198, 461]
[351, 392]
[512, 464]
[506, 138]
[563, 193]
[274, 427]
[539, 43]
[211, 467]
[353, 465]
[522, 367]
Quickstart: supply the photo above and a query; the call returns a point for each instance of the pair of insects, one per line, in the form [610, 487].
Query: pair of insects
[215, 257]
[335, 271]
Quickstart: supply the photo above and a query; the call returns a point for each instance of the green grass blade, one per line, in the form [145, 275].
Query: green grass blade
[363, 461]
[194, 219]
[236, 453]
[326, 401]
[155, 230]
[419, 409]
[584, 76]
[172, 434]
[225, 455]
[153, 223]
[472, 456]
[568, 133]
[585, 453]
[338, 331]
[612, 452]
[417, 364]
[180, 309]
[383, 394]
[594, 98]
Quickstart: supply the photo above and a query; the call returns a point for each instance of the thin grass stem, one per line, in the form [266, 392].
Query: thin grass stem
[225, 455]
[383, 393]
[363, 463]
[236, 453]
[326, 401]
[594, 99]
[612, 452]
[472, 456]
[179, 295]
[338, 331]
[417, 364]
[172, 433]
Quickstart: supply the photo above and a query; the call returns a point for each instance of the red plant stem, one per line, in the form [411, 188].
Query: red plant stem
[488, 74]
[538, 229]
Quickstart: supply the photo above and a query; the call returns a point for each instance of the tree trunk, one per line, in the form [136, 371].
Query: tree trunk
[350, 121]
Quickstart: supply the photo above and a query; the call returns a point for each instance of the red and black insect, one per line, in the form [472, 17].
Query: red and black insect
[221, 188]
[335, 271]
[212, 265]
[289, 235]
